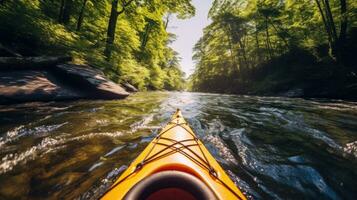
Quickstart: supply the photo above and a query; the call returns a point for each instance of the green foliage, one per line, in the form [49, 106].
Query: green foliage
[140, 54]
[247, 37]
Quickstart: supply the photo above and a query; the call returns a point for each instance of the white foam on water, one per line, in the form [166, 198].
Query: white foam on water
[102, 122]
[11, 160]
[143, 124]
[10, 135]
[20, 131]
[223, 150]
[95, 165]
[102, 134]
[47, 145]
[351, 148]
[114, 150]
[338, 106]
[243, 186]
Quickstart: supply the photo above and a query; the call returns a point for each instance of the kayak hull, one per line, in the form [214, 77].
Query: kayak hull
[176, 148]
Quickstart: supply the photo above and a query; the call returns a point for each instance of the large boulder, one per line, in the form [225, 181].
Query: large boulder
[44, 82]
[128, 87]
[90, 81]
[30, 85]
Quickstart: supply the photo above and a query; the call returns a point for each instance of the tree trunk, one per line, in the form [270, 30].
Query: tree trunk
[343, 29]
[111, 29]
[232, 55]
[67, 10]
[167, 20]
[335, 42]
[257, 46]
[231, 50]
[268, 38]
[330, 19]
[281, 37]
[242, 47]
[332, 28]
[146, 35]
[81, 15]
[324, 20]
[112, 24]
[60, 15]
[344, 20]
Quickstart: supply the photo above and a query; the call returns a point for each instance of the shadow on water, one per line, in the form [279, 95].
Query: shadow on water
[273, 148]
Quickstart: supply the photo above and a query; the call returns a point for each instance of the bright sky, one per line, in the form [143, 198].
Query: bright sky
[188, 32]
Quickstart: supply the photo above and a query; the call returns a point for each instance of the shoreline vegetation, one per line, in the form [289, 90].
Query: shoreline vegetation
[256, 47]
[54, 79]
[125, 39]
[279, 48]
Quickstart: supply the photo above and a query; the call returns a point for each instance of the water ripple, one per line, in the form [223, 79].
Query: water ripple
[271, 147]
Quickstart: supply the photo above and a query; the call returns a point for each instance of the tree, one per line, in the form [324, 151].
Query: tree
[65, 11]
[246, 35]
[132, 33]
[81, 15]
[336, 42]
[113, 23]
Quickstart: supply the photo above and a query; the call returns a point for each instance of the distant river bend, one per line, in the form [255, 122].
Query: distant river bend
[273, 148]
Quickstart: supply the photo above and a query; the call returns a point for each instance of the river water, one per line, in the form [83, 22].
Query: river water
[273, 148]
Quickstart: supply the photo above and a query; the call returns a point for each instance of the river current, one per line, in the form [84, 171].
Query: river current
[272, 147]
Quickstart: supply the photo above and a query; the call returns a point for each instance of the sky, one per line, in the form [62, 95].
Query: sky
[188, 32]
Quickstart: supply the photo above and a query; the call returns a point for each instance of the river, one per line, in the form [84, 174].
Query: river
[272, 147]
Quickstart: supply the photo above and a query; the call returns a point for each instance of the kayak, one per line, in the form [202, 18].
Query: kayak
[175, 165]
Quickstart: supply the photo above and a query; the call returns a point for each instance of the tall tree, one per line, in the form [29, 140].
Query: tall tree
[336, 42]
[136, 43]
[81, 15]
[112, 24]
[65, 12]
[254, 33]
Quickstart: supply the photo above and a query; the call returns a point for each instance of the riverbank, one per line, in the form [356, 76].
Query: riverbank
[134, 54]
[294, 74]
[24, 79]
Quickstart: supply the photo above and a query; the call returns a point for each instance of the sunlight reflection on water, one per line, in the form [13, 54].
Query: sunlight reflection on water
[273, 148]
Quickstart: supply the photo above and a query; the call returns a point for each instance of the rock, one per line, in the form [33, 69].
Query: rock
[29, 63]
[128, 87]
[29, 85]
[61, 82]
[90, 81]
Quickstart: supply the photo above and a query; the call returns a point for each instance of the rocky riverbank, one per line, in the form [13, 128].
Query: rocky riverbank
[54, 79]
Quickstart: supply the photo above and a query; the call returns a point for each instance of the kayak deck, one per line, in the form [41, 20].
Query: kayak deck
[177, 149]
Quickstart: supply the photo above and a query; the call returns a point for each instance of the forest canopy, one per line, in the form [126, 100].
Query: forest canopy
[127, 39]
[263, 47]
[269, 46]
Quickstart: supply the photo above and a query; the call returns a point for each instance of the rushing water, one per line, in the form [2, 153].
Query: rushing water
[273, 148]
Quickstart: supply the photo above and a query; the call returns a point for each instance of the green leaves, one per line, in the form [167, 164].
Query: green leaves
[140, 53]
[246, 34]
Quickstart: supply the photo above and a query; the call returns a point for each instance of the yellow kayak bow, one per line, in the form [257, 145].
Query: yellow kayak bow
[175, 165]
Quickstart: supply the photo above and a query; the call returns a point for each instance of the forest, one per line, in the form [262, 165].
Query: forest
[259, 47]
[86, 112]
[127, 39]
[269, 47]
